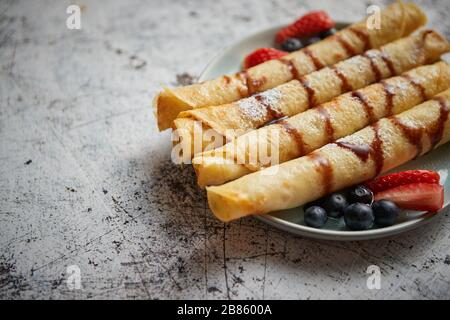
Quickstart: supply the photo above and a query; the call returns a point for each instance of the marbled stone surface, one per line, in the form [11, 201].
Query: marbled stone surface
[86, 178]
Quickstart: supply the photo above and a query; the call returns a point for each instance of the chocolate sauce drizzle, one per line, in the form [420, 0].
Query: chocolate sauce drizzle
[345, 86]
[377, 149]
[345, 45]
[435, 133]
[414, 135]
[438, 132]
[363, 36]
[227, 79]
[309, 90]
[243, 77]
[316, 62]
[253, 85]
[290, 64]
[387, 60]
[271, 111]
[389, 98]
[416, 85]
[329, 130]
[325, 169]
[295, 135]
[367, 107]
[361, 151]
[376, 71]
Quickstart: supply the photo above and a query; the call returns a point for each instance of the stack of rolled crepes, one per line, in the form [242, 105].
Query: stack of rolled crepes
[296, 136]
[331, 115]
[397, 20]
[286, 100]
[386, 144]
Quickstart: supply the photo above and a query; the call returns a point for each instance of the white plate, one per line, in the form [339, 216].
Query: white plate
[229, 61]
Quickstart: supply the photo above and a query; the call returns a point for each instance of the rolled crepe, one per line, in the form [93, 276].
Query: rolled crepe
[307, 131]
[232, 120]
[397, 20]
[388, 143]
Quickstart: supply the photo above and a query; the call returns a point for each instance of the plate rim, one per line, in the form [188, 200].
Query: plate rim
[302, 230]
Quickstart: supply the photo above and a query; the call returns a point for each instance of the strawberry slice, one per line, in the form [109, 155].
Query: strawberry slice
[262, 55]
[402, 178]
[308, 25]
[415, 196]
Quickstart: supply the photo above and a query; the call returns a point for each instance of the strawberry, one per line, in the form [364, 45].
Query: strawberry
[402, 178]
[415, 196]
[309, 24]
[262, 55]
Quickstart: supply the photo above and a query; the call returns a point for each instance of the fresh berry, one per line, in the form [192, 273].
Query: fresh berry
[358, 216]
[360, 194]
[327, 33]
[311, 40]
[310, 24]
[316, 203]
[262, 55]
[385, 212]
[334, 204]
[315, 217]
[291, 44]
[402, 178]
[415, 196]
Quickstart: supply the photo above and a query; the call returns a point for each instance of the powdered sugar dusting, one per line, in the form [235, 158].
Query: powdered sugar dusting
[357, 62]
[252, 109]
[256, 110]
[373, 54]
[271, 97]
[400, 83]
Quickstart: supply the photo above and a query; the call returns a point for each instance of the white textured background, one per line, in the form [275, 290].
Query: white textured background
[86, 179]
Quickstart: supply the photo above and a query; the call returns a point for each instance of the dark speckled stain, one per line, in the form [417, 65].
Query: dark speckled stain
[57, 282]
[176, 184]
[134, 61]
[137, 62]
[185, 79]
[28, 162]
[92, 262]
[9, 282]
[447, 260]
[214, 289]
[181, 265]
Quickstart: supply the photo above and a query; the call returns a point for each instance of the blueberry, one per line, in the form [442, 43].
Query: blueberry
[327, 33]
[311, 40]
[334, 204]
[316, 203]
[291, 44]
[315, 217]
[360, 194]
[358, 216]
[385, 212]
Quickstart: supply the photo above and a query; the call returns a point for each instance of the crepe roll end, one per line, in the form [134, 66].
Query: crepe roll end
[213, 171]
[228, 205]
[168, 106]
[416, 13]
[435, 44]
